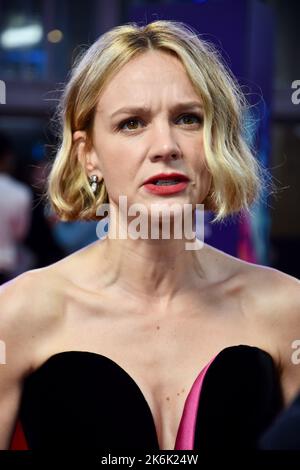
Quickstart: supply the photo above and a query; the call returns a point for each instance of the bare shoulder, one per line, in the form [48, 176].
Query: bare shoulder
[283, 295]
[28, 314]
[33, 292]
[271, 292]
[30, 305]
[262, 285]
[271, 304]
[268, 297]
[272, 298]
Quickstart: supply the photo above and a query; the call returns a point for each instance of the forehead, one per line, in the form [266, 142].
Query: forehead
[154, 73]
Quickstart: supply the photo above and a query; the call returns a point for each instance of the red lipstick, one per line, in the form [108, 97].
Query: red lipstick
[166, 183]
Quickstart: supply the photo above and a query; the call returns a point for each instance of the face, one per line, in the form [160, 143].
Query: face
[131, 146]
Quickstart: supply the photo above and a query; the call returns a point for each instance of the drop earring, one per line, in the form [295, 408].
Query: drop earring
[93, 180]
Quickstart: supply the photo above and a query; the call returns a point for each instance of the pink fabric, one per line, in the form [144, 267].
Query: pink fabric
[186, 431]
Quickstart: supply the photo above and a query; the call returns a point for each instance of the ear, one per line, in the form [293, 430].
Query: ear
[86, 154]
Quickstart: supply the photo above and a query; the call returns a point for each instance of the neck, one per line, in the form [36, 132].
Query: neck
[156, 270]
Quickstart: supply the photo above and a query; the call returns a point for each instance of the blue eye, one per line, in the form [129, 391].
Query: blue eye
[134, 119]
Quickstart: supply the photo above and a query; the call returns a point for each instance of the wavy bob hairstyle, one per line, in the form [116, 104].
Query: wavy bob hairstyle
[236, 174]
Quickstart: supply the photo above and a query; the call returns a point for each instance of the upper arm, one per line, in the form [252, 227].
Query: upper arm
[17, 346]
[284, 329]
[272, 305]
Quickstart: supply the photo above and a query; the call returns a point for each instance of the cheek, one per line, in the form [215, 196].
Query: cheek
[118, 174]
[120, 161]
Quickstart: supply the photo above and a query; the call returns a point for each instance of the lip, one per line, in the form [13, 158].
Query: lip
[165, 176]
[166, 190]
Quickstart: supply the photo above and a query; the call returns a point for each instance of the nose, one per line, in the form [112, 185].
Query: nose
[164, 145]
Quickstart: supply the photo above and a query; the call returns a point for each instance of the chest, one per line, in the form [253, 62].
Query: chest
[97, 403]
[162, 358]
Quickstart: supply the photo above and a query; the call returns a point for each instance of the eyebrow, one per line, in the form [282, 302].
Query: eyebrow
[143, 109]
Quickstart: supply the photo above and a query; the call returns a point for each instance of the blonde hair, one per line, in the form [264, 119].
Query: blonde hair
[237, 177]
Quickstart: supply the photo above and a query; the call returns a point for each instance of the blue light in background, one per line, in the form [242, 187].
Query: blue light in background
[37, 152]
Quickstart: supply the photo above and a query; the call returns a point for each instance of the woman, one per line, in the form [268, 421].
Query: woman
[117, 340]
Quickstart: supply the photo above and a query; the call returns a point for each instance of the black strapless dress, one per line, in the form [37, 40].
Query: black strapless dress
[84, 400]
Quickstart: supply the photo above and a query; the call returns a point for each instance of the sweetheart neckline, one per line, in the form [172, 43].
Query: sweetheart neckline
[133, 381]
[128, 376]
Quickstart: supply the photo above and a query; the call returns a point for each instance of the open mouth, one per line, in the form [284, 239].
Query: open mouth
[167, 182]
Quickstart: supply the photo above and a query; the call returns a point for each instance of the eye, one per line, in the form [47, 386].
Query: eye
[135, 120]
[194, 116]
[123, 123]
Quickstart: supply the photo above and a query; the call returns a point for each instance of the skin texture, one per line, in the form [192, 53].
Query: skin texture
[158, 310]
[160, 141]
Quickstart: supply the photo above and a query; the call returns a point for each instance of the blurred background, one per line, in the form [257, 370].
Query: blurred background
[39, 40]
